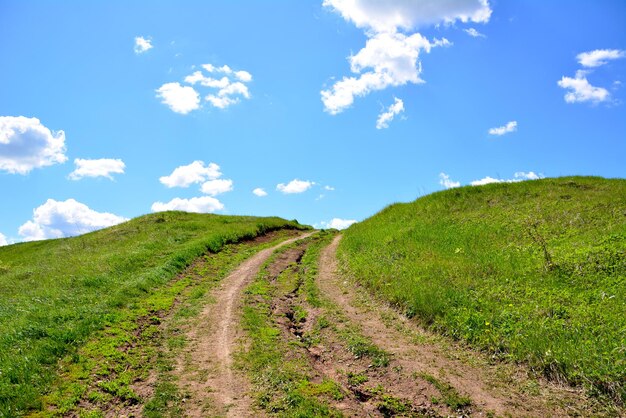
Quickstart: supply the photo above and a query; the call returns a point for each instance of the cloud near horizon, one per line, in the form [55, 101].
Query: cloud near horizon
[517, 177]
[447, 182]
[56, 219]
[26, 144]
[203, 204]
[337, 223]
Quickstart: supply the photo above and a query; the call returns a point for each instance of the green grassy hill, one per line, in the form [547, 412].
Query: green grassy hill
[55, 294]
[534, 272]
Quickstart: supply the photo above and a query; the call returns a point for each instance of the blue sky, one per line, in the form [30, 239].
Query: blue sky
[333, 108]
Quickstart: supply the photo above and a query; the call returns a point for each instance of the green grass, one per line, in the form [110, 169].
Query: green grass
[533, 272]
[56, 294]
[449, 395]
[281, 376]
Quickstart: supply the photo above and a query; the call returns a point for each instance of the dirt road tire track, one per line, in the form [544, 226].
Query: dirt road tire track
[483, 384]
[205, 369]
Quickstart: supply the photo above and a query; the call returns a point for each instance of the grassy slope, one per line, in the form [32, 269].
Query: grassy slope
[54, 294]
[532, 271]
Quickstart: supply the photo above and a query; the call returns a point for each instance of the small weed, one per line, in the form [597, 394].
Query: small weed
[356, 379]
[449, 395]
[391, 406]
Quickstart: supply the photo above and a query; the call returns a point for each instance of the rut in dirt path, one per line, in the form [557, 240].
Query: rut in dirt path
[205, 370]
[492, 388]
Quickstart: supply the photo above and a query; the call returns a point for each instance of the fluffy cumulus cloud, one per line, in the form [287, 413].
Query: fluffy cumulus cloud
[223, 86]
[180, 99]
[391, 56]
[385, 118]
[393, 15]
[102, 167]
[196, 172]
[215, 187]
[501, 130]
[56, 219]
[295, 186]
[599, 57]
[447, 182]
[518, 176]
[259, 192]
[142, 44]
[26, 144]
[580, 90]
[337, 223]
[228, 86]
[3, 240]
[203, 204]
[388, 59]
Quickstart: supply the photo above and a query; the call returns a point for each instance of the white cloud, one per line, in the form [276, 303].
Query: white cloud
[394, 61]
[3, 240]
[259, 192]
[221, 102]
[231, 85]
[391, 15]
[329, 188]
[501, 130]
[385, 118]
[446, 182]
[196, 172]
[102, 167]
[599, 57]
[474, 33]
[581, 90]
[215, 187]
[26, 144]
[295, 186]
[531, 175]
[142, 45]
[198, 77]
[56, 219]
[244, 76]
[204, 204]
[486, 180]
[518, 176]
[180, 99]
[391, 56]
[337, 223]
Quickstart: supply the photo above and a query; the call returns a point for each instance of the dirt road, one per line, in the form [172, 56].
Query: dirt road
[492, 387]
[205, 369]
